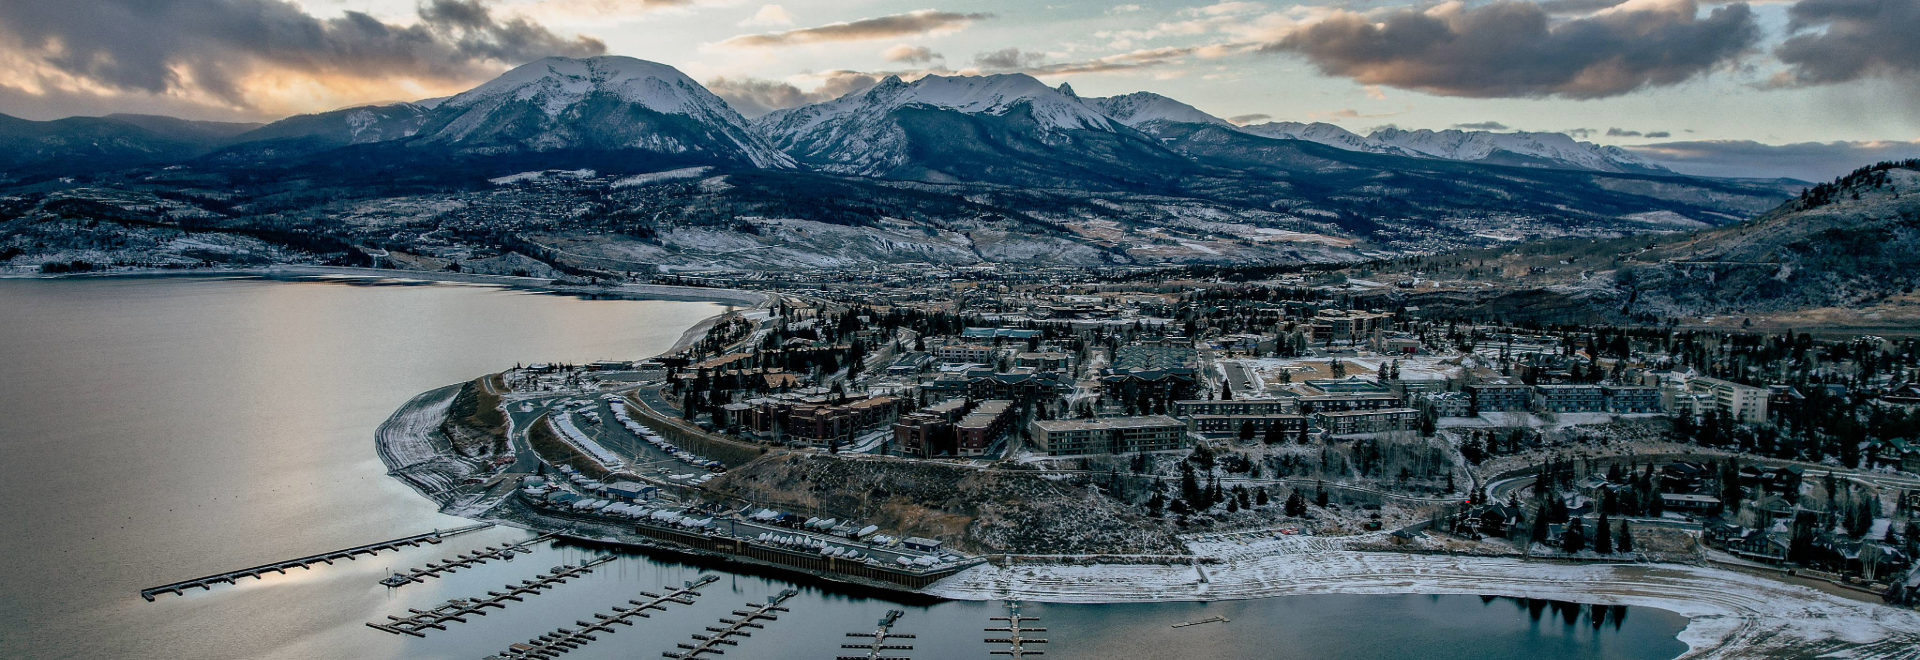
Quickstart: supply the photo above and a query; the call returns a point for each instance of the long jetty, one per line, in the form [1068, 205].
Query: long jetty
[880, 636]
[1016, 644]
[457, 610]
[733, 627]
[258, 572]
[561, 641]
[464, 560]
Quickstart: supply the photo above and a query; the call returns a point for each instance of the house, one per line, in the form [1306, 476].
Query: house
[1066, 437]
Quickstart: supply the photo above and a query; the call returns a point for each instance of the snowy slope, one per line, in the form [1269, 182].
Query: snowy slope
[1323, 133]
[1483, 145]
[1145, 110]
[598, 103]
[859, 130]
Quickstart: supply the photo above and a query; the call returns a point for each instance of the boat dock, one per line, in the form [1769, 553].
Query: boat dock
[434, 537]
[458, 609]
[465, 560]
[880, 636]
[1214, 619]
[559, 642]
[734, 627]
[1016, 644]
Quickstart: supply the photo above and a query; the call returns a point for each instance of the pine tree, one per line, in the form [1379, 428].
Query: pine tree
[1574, 539]
[1603, 536]
[1625, 540]
[1260, 497]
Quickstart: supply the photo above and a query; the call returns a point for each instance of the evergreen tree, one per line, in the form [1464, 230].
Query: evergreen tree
[1603, 536]
[1625, 540]
[1260, 497]
[1296, 506]
[1573, 539]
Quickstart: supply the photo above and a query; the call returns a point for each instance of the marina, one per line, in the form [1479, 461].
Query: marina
[564, 640]
[458, 609]
[880, 636]
[1015, 641]
[465, 560]
[307, 562]
[734, 627]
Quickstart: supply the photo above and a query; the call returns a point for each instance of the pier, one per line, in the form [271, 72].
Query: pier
[257, 572]
[1016, 644]
[464, 560]
[1213, 619]
[880, 636]
[458, 609]
[734, 627]
[559, 642]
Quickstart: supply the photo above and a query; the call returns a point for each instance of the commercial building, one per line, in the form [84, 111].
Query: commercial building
[1114, 435]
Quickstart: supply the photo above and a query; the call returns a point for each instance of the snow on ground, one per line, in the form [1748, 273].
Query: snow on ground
[1732, 614]
[407, 444]
[656, 177]
[564, 424]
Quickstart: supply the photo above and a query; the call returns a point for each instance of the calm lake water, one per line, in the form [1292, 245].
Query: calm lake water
[153, 430]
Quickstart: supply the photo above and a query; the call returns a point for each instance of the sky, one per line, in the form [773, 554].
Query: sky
[1805, 88]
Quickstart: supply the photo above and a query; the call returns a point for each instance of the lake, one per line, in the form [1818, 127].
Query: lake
[159, 429]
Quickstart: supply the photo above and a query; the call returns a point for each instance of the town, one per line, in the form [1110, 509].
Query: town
[993, 417]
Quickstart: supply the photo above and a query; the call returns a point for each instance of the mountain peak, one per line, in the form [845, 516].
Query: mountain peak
[1066, 90]
[1143, 108]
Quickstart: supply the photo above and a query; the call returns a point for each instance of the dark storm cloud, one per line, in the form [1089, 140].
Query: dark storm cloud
[1806, 161]
[208, 46]
[1841, 40]
[1515, 49]
[753, 97]
[884, 27]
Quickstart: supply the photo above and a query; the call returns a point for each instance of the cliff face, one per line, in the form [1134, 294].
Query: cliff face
[972, 510]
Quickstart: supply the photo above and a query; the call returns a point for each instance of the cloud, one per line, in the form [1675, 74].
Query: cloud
[1013, 60]
[1837, 41]
[1124, 9]
[1621, 132]
[911, 54]
[1578, 6]
[925, 21]
[770, 15]
[1482, 126]
[256, 57]
[1514, 49]
[753, 97]
[1242, 120]
[1582, 133]
[1806, 161]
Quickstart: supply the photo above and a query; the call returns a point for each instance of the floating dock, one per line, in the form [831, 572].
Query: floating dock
[1016, 644]
[559, 642]
[434, 537]
[1215, 619]
[464, 560]
[733, 627]
[880, 636]
[458, 609]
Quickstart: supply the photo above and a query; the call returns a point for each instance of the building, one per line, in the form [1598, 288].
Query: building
[1568, 399]
[1283, 406]
[1044, 361]
[980, 428]
[922, 432]
[1500, 398]
[1367, 421]
[1230, 425]
[965, 353]
[1444, 404]
[1109, 435]
[1349, 402]
[1347, 324]
[1745, 403]
[1631, 399]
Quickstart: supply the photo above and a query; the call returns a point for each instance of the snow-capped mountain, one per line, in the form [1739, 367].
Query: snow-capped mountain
[975, 128]
[1321, 132]
[1518, 148]
[597, 104]
[361, 125]
[1146, 110]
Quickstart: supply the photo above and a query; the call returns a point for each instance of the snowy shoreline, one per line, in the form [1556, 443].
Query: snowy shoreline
[737, 297]
[1730, 614]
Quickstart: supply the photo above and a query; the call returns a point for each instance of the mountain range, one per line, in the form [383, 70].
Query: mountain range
[613, 160]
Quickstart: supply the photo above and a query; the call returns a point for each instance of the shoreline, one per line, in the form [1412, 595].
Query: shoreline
[735, 297]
